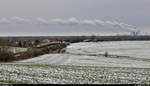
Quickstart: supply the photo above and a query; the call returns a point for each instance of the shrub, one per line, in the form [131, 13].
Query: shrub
[33, 52]
[5, 55]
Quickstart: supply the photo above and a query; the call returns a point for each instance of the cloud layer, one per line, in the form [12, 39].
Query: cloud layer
[70, 21]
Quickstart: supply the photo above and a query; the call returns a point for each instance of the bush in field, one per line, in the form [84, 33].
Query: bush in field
[33, 52]
[5, 55]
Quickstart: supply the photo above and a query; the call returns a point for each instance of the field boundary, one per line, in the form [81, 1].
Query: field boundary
[112, 56]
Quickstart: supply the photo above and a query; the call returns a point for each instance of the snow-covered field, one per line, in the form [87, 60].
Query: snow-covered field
[18, 49]
[138, 49]
[65, 74]
[81, 68]
[67, 59]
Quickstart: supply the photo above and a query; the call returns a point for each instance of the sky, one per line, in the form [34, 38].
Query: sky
[73, 17]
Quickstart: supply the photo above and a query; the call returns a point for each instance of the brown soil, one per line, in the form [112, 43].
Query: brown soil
[22, 56]
[26, 55]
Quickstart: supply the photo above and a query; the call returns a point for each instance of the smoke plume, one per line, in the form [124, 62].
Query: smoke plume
[5, 21]
[69, 21]
[20, 20]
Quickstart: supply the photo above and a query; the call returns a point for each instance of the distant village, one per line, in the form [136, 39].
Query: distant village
[12, 50]
[30, 43]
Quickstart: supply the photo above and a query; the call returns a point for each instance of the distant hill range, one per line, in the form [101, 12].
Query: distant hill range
[80, 38]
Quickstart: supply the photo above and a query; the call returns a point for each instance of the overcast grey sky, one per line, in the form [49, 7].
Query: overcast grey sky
[67, 17]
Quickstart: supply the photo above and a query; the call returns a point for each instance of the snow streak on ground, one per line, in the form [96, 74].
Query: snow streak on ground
[43, 74]
[67, 59]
